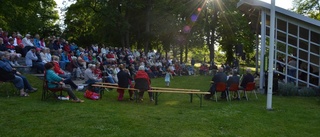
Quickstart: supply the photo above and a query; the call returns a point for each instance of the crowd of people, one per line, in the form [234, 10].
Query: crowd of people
[93, 64]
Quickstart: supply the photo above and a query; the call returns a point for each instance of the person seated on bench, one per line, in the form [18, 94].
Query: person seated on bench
[31, 60]
[89, 76]
[142, 82]
[123, 82]
[219, 77]
[10, 74]
[52, 78]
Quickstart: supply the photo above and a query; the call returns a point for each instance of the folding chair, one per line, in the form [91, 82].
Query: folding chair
[250, 87]
[234, 87]
[221, 87]
[47, 92]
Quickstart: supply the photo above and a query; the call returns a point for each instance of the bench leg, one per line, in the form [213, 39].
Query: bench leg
[136, 95]
[191, 97]
[156, 99]
[200, 100]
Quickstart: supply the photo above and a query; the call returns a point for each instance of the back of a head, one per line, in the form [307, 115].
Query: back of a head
[121, 66]
[220, 69]
[48, 65]
[234, 73]
[248, 70]
[141, 68]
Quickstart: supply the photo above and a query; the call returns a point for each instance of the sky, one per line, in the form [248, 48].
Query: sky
[286, 4]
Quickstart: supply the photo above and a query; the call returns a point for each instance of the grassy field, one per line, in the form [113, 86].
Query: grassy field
[175, 116]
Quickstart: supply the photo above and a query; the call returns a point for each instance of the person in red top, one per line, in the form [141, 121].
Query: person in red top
[66, 47]
[13, 55]
[58, 70]
[142, 82]
[97, 71]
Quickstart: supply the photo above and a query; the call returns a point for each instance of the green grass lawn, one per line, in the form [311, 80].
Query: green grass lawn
[174, 116]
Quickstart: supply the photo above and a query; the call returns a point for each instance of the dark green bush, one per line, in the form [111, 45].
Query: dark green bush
[307, 92]
[288, 89]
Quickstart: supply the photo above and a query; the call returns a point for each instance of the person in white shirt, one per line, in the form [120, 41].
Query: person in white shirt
[31, 60]
[89, 76]
[26, 41]
[27, 44]
[45, 55]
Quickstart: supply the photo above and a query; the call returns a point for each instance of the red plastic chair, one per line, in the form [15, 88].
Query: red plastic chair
[221, 87]
[250, 87]
[234, 87]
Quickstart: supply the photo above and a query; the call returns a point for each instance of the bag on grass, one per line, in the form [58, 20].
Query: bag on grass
[91, 95]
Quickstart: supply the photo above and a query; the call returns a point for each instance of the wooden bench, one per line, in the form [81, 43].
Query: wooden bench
[103, 85]
[198, 93]
[156, 90]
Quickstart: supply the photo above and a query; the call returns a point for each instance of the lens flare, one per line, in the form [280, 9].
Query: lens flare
[194, 18]
[186, 29]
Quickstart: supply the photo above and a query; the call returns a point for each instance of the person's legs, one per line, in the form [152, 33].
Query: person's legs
[18, 82]
[65, 75]
[131, 94]
[141, 92]
[71, 83]
[110, 79]
[120, 96]
[62, 64]
[70, 93]
[25, 82]
[150, 96]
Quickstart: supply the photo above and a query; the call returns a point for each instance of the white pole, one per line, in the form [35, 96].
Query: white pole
[271, 55]
[263, 47]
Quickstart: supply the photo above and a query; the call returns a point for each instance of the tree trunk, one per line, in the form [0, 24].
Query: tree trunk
[148, 19]
[213, 31]
[208, 34]
[186, 54]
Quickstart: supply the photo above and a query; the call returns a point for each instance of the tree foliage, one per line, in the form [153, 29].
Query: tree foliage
[29, 16]
[180, 26]
[310, 8]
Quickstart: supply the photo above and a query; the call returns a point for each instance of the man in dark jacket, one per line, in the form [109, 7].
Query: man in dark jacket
[219, 77]
[248, 77]
[123, 82]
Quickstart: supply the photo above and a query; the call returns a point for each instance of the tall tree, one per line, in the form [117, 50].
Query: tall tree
[33, 16]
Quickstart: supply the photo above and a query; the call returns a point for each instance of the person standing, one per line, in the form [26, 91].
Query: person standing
[292, 64]
[123, 82]
[167, 77]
